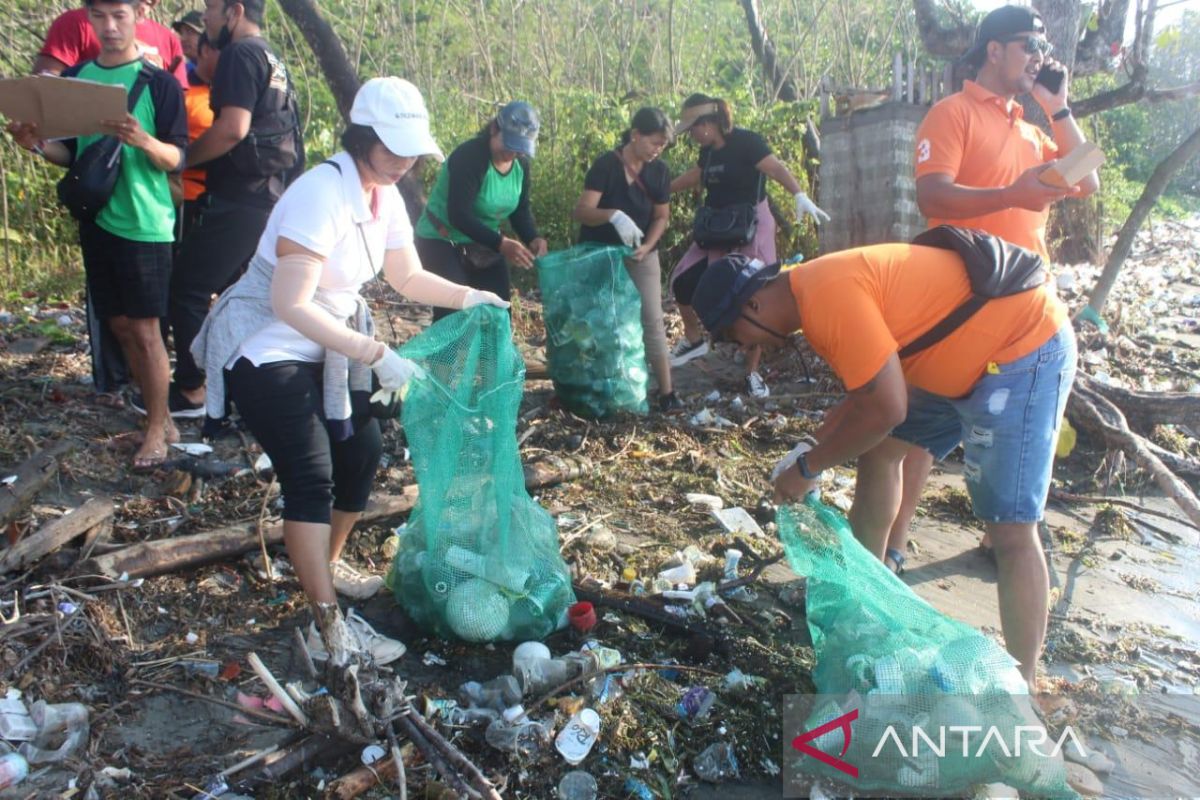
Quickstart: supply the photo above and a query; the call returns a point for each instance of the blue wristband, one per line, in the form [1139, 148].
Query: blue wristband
[802, 465]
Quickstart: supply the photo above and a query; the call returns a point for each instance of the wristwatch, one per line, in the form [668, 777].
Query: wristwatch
[1061, 114]
[802, 465]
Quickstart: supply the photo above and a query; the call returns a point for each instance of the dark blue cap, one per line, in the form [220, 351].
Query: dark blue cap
[725, 287]
[519, 127]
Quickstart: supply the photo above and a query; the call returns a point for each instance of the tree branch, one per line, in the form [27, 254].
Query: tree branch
[781, 84]
[948, 41]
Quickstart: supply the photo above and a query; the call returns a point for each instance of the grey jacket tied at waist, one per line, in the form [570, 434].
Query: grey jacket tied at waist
[243, 310]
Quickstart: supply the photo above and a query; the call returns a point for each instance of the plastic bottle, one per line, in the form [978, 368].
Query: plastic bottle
[66, 720]
[525, 739]
[576, 738]
[497, 694]
[13, 769]
[542, 674]
[577, 785]
[638, 789]
[492, 570]
[717, 763]
[527, 652]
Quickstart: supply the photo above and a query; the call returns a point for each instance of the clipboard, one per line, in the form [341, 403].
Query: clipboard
[61, 107]
[1073, 167]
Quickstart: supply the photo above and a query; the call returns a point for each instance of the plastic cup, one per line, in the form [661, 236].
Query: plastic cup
[582, 616]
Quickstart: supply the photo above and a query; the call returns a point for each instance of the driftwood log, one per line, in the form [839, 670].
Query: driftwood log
[157, 557]
[55, 534]
[1144, 410]
[1098, 415]
[32, 475]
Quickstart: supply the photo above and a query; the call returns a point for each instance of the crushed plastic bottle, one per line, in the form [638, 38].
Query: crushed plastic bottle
[524, 739]
[62, 729]
[638, 789]
[717, 763]
[497, 694]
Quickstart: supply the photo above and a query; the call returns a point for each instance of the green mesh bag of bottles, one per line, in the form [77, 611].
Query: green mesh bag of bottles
[478, 558]
[593, 317]
[904, 666]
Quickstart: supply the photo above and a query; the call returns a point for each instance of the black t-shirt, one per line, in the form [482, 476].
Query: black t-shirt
[249, 75]
[609, 177]
[729, 174]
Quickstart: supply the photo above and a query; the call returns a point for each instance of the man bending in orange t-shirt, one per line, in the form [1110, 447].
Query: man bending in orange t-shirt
[998, 384]
[977, 166]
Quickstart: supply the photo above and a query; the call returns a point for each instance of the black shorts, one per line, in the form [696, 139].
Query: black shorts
[125, 278]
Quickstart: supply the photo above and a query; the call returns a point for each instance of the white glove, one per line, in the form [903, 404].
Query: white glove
[629, 232]
[394, 373]
[806, 206]
[478, 297]
[788, 461]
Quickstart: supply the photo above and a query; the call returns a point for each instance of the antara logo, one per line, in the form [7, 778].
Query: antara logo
[801, 743]
[1032, 736]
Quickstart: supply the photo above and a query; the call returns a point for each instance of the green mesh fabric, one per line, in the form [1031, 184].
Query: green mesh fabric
[875, 638]
[593, 316]
[478, 559]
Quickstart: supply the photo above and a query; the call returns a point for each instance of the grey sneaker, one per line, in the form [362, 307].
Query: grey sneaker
[756, 386]
[685, 351]
[350, 582]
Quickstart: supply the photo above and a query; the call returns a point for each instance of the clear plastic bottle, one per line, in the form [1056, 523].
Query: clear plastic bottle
[525, 739]
[576, 738]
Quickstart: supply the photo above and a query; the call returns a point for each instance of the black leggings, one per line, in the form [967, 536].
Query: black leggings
[282, 404]
[445, 259]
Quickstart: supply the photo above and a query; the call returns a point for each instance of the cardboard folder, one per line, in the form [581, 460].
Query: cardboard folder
[1073, 167]
[61, 107]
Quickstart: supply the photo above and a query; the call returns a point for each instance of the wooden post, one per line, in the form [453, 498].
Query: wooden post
[910, 88]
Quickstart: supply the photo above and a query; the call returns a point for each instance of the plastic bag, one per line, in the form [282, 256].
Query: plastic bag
[593, 316]
[479, 558]
[883, 650]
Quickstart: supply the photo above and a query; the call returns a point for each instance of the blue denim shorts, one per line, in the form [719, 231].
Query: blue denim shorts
[1008, 426]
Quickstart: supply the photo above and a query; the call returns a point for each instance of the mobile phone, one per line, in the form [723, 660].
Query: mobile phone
[1051, 78]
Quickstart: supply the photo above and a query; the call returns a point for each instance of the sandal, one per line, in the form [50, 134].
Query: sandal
[896, 557]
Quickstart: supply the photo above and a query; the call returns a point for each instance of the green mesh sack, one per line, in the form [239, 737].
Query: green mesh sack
[883, 650]
[593, 316]
[478, 559]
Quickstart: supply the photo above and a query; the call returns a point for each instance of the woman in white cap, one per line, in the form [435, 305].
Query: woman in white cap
[294, 341]
[484, 181]
[732, 168]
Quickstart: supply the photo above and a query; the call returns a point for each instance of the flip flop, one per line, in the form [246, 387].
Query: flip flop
[898, 558]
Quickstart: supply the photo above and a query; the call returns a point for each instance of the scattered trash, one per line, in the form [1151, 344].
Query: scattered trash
[61, 730]
[15, 722]
[527, 652]
[717, 763]
[683, 573]
[432, 659]
[262, 463]
[8, 480]
[575, 740]
[577, 785]
[191, 637]
[637, 789]
[712, 396]
[524, 739]
[193, 448]
[737, 521]
[695, 703]
[372, 753]
[709, 501]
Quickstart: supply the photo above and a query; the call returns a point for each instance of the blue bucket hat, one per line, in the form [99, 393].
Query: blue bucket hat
[519, 125]
[726, 286]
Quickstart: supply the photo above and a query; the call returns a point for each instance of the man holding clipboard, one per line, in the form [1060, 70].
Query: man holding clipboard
[127, 246]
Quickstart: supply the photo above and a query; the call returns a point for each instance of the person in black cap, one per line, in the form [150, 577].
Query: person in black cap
[1000, 380]
[189, 27]
[978, 164]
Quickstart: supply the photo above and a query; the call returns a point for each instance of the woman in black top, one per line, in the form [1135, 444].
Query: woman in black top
[484, 181]
[625, 200]
[732, 167]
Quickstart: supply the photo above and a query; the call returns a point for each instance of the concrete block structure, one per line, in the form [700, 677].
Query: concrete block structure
[867, 183]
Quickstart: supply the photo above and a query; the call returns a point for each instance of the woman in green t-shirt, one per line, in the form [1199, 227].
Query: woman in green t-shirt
[483, 182]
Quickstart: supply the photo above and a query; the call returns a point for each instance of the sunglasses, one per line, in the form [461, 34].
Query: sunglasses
[1033, 44]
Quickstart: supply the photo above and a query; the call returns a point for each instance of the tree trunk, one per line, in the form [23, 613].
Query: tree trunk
[940, 40]
[781, 84]
[1154, 187]
[331, 55]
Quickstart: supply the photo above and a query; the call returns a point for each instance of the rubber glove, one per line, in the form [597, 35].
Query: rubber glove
[806, 206]
[788, 461]
[394, 373]
[478, 297]
[629, 232]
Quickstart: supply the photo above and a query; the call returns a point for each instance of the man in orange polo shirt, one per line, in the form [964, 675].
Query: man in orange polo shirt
[977, 165]
[998, 384]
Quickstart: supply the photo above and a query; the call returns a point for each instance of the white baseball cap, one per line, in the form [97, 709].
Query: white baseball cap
[395, 110]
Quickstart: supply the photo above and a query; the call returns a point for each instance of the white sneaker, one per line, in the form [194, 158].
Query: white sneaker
[364, 640]
[684, 351]
[756, 386]
[350, 582]
[380, 648]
